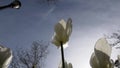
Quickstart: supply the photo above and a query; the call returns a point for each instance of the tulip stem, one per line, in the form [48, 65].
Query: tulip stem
[62, 54]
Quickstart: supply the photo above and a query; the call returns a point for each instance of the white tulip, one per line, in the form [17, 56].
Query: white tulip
[5, 57]
[67, 65]
[70, 65]
[101, 56]
[62, 32]
[103, 46]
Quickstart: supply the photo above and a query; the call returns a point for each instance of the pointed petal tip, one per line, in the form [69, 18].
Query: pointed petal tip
[69, 20]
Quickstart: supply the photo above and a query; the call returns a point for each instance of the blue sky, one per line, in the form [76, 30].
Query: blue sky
[35, 21]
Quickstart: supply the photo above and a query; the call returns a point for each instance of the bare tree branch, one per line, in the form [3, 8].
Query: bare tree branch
[32, 57]
[116, 39]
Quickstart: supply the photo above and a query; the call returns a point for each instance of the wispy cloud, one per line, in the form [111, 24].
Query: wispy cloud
[49, 11]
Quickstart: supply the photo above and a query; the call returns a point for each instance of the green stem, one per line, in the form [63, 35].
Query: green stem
[62, 54]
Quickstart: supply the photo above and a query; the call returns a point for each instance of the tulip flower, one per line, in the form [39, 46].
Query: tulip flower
[62, 32]
[101, 55]
[61, 35]
[5, 57]
[67, 65]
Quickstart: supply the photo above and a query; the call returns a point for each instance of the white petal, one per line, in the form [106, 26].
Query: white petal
[70, 65]
[60, 33]
[67, 65]
[103, 46]
[59, 30]
[55, 41]
[5, 56]
[69, 27]
[8, 61]
[93, 61]
[103, 52]
[63, 23]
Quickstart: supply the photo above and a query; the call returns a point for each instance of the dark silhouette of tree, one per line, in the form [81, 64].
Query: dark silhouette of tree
[32, 57]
